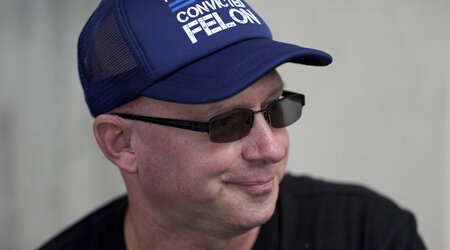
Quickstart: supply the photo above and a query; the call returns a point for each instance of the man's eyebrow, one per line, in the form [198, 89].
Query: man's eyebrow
[277, 91]
[219, 109]
[222, 108]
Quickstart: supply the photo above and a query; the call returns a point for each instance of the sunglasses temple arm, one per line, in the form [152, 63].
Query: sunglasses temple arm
[190, 125]
[199, 126]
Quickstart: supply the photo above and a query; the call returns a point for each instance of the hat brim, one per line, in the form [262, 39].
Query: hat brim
[230, 70]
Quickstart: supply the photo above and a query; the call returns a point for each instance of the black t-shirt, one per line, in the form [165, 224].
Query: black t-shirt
[310, 214]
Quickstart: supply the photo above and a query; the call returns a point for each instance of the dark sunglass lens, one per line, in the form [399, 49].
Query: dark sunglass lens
[286, 111]
[230, 126]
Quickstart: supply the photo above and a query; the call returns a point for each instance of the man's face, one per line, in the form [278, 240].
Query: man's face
[191, 183]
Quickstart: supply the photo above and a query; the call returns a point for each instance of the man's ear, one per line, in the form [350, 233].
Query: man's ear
[114, 140]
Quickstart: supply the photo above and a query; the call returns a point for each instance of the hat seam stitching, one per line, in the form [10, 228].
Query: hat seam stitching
[225, 84]
[188, 76]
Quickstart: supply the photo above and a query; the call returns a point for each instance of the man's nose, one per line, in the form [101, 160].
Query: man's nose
[262, 144]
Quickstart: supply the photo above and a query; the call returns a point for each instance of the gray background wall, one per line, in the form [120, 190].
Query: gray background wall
[379, 115]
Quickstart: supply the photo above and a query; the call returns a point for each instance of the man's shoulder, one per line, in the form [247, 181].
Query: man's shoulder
[309, 187]
[338, 212]
[101, 229]
[307, 191]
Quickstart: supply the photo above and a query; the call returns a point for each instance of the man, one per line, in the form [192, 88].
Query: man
[189, 106]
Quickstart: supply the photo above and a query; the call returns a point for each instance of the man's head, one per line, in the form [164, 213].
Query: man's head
[183, 51]
[191, 61]
[187, 179]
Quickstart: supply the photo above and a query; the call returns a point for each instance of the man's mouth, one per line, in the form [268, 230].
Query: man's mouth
[255, 187]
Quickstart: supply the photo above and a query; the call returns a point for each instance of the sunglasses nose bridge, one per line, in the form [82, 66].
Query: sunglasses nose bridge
[265, 113]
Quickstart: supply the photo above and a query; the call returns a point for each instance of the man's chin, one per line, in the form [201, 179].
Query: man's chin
[255, 222]
[257, 214]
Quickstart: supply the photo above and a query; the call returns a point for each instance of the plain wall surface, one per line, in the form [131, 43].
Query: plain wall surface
[378, 116]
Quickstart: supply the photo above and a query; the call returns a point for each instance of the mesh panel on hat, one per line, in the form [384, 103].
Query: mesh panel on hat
[107, 54]
[110, 71]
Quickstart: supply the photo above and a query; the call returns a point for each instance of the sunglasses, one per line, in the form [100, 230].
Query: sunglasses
[236, 124]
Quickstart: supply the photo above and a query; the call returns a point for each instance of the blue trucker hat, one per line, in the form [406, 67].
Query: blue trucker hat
[187, 51]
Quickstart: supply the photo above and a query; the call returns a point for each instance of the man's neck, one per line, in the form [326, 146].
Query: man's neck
[142, 234]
